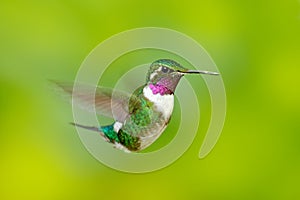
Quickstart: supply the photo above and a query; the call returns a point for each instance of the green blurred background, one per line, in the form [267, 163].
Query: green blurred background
[256, 46]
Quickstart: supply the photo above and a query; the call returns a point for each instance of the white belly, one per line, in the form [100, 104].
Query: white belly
[163, 103]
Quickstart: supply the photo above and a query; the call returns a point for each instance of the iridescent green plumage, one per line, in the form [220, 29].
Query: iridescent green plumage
[130, 142]
[143, 116]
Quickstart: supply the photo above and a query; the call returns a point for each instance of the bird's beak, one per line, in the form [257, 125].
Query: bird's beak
[190, 71]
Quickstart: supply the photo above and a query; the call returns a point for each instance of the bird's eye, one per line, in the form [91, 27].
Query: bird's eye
[164, 69]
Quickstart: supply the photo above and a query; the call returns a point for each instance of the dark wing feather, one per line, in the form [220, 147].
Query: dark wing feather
[106, 101]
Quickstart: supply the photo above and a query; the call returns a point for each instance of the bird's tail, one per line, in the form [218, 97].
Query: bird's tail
[92, 128]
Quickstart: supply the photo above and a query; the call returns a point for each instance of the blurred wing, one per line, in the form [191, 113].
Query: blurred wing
[106, 101]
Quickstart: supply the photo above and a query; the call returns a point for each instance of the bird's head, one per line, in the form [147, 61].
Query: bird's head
[164, 75]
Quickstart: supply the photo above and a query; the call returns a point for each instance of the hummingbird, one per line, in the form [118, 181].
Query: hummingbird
[141, 117]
